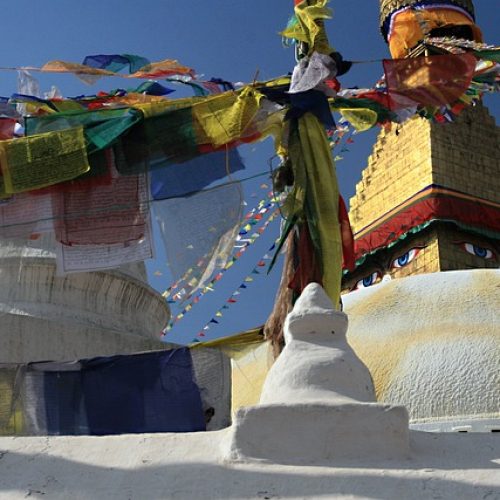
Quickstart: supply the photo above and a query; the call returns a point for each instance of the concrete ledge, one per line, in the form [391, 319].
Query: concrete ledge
[309, 433]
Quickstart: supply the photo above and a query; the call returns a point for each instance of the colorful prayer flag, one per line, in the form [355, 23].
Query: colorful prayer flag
[428, 81]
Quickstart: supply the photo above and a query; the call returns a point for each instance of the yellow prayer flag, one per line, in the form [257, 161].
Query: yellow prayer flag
[360, 118]
[70, 67]
[307, 28]
[314, 157]
[224, 118]
[42, 160]
[11, 414]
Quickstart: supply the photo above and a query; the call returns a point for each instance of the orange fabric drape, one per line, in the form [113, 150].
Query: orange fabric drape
[407, 27]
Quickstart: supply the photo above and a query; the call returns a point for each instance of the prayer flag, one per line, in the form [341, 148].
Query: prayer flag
[7, 126]
[184, 179]
[429, 81]
[116, 62]
[42, 160]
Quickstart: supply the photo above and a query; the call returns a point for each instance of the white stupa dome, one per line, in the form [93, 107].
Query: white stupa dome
[432, 343]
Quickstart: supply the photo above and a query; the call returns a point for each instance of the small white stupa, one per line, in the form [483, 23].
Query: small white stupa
[318, 401]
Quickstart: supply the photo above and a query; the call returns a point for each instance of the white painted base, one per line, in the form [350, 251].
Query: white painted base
[315, 433]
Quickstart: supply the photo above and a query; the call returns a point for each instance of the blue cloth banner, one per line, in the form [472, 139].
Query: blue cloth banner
[187, 178]
[142, 393]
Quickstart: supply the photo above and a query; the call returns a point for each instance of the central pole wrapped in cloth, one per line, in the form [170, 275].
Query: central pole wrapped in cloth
[311, 210]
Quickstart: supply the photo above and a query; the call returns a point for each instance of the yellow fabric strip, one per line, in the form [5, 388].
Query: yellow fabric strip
[155, 107]
[160, 69]
[226, 117]
[43, 160]
[323, 201]
[235, 346]
[11, 418]
[360, 118]
[70, 67]
[310, 29]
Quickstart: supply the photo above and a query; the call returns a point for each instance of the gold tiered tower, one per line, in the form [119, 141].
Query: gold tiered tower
[429, 199]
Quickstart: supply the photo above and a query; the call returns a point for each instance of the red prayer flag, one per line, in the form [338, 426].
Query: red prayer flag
[7, 128]
[430, 81]
[95, 211]
[348, 250]
[308, 269]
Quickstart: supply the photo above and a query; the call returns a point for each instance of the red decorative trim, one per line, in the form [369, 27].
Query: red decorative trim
[434, 203]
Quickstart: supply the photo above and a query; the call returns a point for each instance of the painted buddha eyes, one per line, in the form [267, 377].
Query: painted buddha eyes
[402, 261]
[368, 281]
[484, 253]
[405, 259]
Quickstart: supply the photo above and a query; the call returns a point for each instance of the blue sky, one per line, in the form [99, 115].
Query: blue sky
[231, 39]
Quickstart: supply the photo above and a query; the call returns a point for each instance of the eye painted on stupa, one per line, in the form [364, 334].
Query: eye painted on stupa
[367, 281]
[478, 251]
[404, 259]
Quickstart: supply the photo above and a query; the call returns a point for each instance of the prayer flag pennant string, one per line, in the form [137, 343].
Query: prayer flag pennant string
[231, 299]
[169, 291]
[209, 286]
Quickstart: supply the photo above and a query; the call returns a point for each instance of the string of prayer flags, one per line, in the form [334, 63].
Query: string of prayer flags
[183, 224]
[89, 74]
[210, 284]
[67, 140]
[101, 127]
[263, 207]
[232, 300]
[208, 288]
[459, 45]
